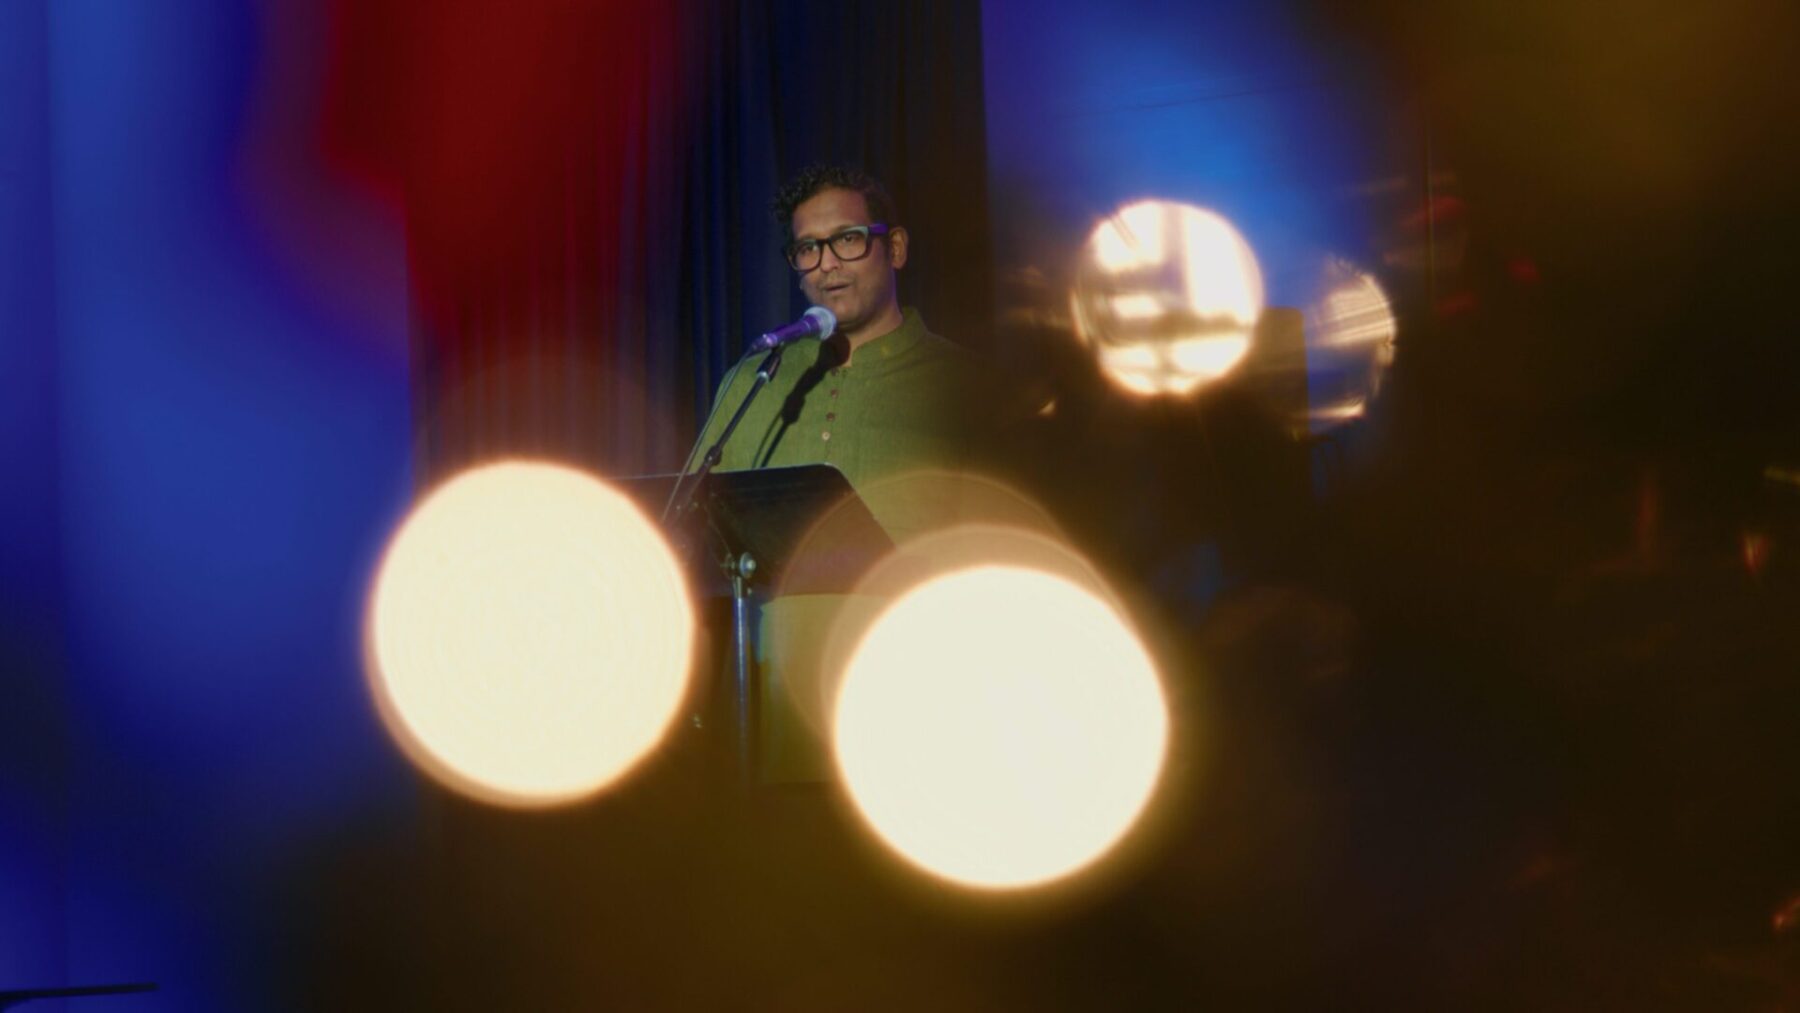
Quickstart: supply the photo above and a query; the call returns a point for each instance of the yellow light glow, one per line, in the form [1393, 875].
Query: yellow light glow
[1202, 359]
[530, 635]
[1168, 295]
[1130, 239]
[1223, 279]
[1129, 357]
[1343, 412]
[1000, 727]
[1355, 312]
[940, 521]
[1136, 306]
[1141, 382]
[1349, 346]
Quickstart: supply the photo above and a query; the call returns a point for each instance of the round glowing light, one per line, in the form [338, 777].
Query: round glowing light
[1168, 296]
[1349, 346]
[940, 521]
[530, 634]
[1000, 727]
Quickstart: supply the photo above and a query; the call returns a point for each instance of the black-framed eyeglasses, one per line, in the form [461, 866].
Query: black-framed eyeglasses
[850, 244]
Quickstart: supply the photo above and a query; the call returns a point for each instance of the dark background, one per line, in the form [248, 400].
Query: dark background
[1493, 696]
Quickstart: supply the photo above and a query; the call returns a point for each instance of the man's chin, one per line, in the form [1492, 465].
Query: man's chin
[849, 315]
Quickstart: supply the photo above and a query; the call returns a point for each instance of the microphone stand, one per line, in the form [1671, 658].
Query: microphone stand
[739, 568]
[675, 509]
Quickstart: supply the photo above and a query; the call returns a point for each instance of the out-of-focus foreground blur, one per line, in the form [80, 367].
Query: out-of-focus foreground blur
[1408, 392]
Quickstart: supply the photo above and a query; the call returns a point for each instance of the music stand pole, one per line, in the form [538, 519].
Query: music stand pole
[739, 569]
[801, 528]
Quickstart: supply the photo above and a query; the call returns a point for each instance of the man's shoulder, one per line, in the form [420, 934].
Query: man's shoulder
[967, 363]
[935, 346]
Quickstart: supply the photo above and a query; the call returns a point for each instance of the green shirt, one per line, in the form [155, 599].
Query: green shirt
[903, 405]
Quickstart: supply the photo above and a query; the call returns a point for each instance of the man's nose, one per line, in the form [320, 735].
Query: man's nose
[828, 259]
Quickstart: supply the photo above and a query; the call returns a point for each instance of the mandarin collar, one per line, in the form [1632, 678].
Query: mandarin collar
[883, 351]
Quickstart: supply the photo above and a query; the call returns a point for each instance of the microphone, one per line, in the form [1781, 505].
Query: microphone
[817, 322]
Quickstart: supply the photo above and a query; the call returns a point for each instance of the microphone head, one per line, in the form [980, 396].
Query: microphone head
[823, 319]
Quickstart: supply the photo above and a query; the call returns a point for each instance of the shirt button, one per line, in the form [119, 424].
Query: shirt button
[834, 392]
[831, 416]
[826, 435]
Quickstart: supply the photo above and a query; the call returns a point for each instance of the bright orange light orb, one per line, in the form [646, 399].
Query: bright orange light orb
[530, 634]
[1167, 295]
[1000, 727]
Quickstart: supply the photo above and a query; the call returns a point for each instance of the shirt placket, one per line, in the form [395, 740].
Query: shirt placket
[834, 401]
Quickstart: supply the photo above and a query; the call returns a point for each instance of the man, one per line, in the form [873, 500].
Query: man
[885, 398]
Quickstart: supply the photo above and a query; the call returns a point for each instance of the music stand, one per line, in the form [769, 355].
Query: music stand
[754, 523]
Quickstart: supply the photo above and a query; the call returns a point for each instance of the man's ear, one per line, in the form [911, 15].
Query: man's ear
[897, 243]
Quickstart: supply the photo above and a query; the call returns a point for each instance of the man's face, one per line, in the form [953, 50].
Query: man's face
[858, 292]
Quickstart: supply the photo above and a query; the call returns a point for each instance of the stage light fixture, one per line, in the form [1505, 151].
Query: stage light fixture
[1349, 346]
[1167, 295]
[530, 635]
[1000, 727]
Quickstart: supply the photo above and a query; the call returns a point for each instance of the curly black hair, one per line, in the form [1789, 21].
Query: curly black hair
[813, 179]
